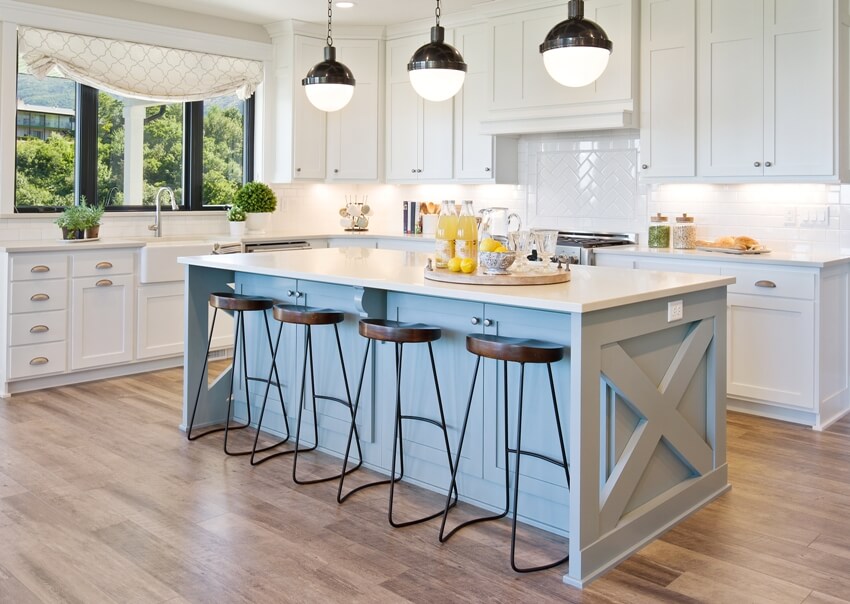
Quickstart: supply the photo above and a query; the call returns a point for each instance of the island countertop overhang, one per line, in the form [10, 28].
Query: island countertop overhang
[590, 288]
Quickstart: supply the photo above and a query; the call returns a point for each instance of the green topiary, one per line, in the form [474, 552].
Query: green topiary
[236, 214]
[255, 197]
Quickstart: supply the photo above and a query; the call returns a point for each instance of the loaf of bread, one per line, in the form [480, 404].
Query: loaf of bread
[746, 243]
[732, 243]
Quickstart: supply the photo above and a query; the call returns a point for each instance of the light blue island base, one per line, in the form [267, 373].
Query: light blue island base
[642, 398]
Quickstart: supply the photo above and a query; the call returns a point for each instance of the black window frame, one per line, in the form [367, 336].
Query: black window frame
[85, 162]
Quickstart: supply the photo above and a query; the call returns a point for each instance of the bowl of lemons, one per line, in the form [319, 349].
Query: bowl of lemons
[494, 257]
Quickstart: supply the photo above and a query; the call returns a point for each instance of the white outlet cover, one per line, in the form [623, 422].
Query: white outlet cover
[675, 311]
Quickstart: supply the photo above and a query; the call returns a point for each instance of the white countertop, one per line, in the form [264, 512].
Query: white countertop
[774, 257]
[591, 288]
[59, 245]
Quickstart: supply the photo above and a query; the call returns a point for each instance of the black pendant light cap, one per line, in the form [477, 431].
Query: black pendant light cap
[329, 71]
[576, 31]
[437, 54]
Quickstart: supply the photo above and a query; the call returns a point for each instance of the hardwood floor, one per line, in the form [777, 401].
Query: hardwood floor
[102, 499]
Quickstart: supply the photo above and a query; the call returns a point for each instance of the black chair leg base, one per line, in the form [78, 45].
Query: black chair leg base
[534, 569]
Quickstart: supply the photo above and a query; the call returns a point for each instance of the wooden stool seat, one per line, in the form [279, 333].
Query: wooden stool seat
[518, 350]
[231, 301]
[399, 332]
[306, 315]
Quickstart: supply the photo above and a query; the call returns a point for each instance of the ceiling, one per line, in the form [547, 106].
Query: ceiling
[365, 12]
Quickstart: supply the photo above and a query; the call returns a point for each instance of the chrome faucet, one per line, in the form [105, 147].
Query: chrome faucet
[156, 227]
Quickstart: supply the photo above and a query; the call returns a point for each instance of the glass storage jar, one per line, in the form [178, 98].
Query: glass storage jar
[659, 231]
[684, 233]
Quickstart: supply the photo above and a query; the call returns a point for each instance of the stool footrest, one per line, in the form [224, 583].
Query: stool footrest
[419, 418]
[555, 462]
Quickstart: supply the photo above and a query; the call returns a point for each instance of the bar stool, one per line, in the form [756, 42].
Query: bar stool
[400, 334]
[239, 304]
[308, 317]
[522, 351]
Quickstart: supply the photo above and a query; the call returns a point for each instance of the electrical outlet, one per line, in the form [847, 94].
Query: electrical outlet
[790, 216]
[675, 311]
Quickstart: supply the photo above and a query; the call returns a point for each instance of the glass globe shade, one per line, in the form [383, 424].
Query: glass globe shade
[576, 66]
[329, 97]
[437, 84]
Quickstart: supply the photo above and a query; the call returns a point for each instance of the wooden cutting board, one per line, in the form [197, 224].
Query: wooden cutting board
[481, 278]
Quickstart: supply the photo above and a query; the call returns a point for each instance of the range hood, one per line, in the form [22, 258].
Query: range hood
[591, 116]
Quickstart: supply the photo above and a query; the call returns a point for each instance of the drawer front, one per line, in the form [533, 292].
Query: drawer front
[38, 296]
[37, 327]
[30, 267]
[772, 282]
[105, 262]
[37, 359]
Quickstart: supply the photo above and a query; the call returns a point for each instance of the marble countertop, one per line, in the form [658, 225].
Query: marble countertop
[774, 257]
[591, 288]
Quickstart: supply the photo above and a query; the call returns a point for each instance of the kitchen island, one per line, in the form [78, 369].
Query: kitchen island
[643, 396]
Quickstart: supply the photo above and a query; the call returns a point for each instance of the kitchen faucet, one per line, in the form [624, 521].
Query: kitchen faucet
[156, 227]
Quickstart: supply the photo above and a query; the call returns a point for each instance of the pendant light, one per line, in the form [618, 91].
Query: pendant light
[576, 51]
[437, 69]
[330, 84]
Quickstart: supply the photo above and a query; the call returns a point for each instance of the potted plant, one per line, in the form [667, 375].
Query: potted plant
[236, 220]
[73, 221]
[93, 216]
[258, 201]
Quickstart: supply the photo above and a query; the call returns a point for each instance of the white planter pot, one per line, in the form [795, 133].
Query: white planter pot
[258, 222]
[237, 229]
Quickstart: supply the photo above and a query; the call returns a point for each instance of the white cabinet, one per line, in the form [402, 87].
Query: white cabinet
[308, 123]
[668, 88]
[408, 244]
[479, 157]
[354, 132]
[101, 321]
[419, 132]
[524, 98]
[765, 88]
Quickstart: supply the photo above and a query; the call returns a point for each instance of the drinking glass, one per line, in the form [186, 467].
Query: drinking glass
[546, 241]
[521, 243]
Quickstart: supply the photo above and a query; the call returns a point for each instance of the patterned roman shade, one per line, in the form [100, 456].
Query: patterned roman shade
[138, 71]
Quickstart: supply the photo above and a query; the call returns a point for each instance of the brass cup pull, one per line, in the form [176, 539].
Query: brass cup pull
[39, 361]
[40, 268]
[39, 298]
[39, 329]
[104, 283]
[103, 265]
[765, 283]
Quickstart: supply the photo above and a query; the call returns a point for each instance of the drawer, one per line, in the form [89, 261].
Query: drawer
[105, 262]
[38, 296]
[770, 281]
[37, 359]
[29, 267]
[36, 327]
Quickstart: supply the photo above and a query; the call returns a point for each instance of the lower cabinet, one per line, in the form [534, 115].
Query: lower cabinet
[101, 321]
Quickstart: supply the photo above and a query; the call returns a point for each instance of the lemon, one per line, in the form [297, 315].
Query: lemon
[468, 265]
[489, 245]
[501, 249]
[454, 265]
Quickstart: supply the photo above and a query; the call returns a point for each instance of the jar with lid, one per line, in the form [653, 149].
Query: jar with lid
[659, 231]
[684, 233]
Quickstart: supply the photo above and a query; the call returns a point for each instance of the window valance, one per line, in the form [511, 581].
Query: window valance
[139, 71]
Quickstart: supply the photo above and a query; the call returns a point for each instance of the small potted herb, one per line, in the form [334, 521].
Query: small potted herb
[236, 219]
[95, 213]
[73, 221]
[258, 202]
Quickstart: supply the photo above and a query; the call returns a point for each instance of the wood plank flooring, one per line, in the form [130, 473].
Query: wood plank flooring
[102, 499]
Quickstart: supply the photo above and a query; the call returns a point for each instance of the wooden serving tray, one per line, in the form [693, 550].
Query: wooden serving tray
[481, 278]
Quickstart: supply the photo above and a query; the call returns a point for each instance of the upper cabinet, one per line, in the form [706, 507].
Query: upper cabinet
[523, 98]
[419, 132]
[766, 100]
[668, 88]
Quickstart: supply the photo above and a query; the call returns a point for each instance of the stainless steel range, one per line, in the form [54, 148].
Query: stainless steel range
[576, 247]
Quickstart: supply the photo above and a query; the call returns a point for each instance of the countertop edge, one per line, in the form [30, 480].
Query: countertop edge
[777, 258]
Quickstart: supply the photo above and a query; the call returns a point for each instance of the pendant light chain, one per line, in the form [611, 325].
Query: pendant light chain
[437, 12]
[330, 39]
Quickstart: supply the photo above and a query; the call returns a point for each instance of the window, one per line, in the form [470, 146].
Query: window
[120, 151]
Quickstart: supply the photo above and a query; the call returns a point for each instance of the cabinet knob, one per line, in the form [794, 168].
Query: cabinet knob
[487, 169]
[39, 361]
[39, 329]
[757, 164]
[299, 294]
[475, 320]
[413, 171]
[297, 169]
[488, 322]
[103, 265]
[40, 269]
[419, 170]
[765, 283]
[644, 166]
[336, 171]
[290, 293]
[767, 164]
[104, 283]
[39, 298]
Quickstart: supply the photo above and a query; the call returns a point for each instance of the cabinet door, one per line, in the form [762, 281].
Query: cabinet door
[435, 155]
[308, 124]
[770, 354]
[798, 80]
[668, 88]
[353, 131]
[101, 321]
[473, 152]
[159, 323]
[730, 87]
[403, 125]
